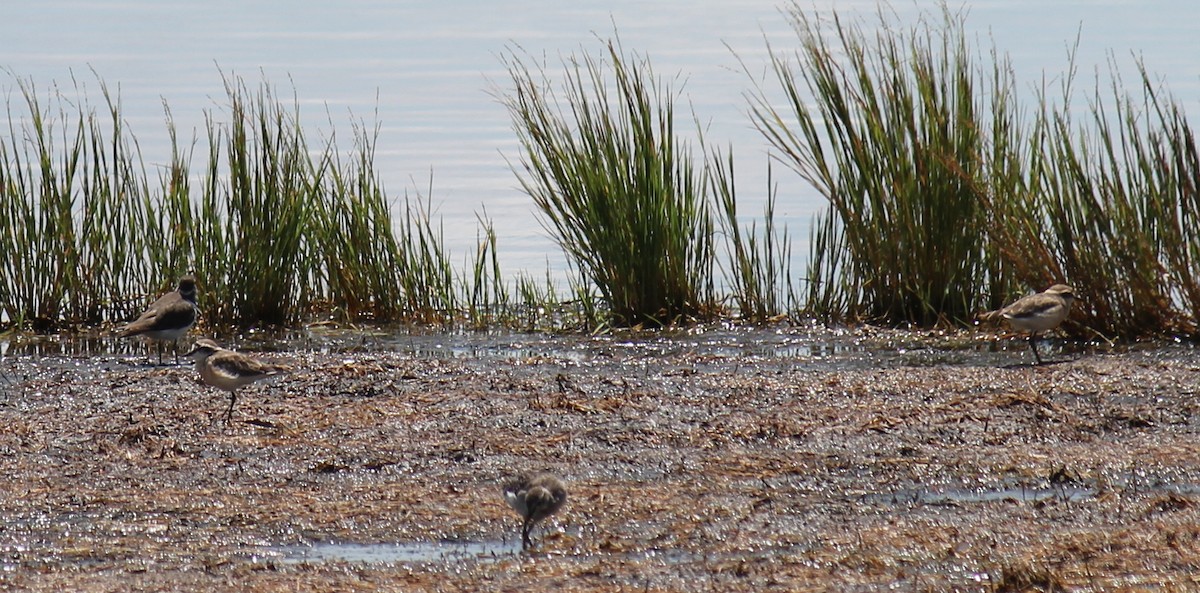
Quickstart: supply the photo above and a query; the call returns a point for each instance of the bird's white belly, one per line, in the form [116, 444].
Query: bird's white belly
[167, 334]
[1040, 322]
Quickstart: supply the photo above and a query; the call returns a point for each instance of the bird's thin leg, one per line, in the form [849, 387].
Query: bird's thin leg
[160, 349]
[1033, 346]
[229, 412]
[525, 528]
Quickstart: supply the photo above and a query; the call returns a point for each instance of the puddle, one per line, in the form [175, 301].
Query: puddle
[392, 553]
[458, 551]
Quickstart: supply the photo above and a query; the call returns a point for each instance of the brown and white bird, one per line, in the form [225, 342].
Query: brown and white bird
[1037, 313]
[168, 318]
[534, 498]
[229, 370]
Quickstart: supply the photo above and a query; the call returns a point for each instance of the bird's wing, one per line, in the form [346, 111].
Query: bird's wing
[1034, 304]
[177, 314]
[145, 321]
[233, 364]
[169, 311]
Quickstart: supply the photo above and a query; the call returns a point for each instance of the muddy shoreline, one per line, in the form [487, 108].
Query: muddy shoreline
[689, 468]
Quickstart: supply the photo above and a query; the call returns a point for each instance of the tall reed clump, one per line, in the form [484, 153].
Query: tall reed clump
[487, 299]
[893, 137]
[284, 230]
[947, 198]
[275, 228]
[254, 219]
[426, 273]
[617, 187]
[169, 226]
[357, 240]
[72, 204]
[1118, 210]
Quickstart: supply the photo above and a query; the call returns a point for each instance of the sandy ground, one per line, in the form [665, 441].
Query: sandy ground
[695, 469]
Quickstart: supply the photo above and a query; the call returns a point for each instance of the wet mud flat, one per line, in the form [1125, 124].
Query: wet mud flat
[688, 469]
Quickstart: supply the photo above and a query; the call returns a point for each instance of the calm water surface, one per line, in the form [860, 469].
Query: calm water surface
[427, 72]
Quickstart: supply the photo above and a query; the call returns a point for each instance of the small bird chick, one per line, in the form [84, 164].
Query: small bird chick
[534, 498]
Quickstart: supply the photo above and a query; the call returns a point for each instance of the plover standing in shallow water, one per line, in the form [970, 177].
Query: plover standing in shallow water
[534, 498]
[229, 370]
[1037, 312]
[168, 318]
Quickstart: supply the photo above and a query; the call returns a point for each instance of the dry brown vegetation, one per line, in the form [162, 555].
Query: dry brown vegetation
[694, 471]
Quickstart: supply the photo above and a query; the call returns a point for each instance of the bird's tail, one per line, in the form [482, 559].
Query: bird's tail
[990, 316]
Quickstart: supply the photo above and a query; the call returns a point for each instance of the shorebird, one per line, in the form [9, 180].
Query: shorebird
[534, 498]
[168, 318]
[229, 370]
[1037, 312]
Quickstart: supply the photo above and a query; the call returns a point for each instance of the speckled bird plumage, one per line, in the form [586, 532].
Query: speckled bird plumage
[1037, 313]
[229, 370]
[534, 498]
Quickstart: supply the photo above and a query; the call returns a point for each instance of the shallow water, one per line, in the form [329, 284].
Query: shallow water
[1021, 494]
[390, 553]
[717, 347]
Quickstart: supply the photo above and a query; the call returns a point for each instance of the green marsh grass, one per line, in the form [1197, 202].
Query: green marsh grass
[277, 228]
[290, 231]
[618, 189]
[257, 209]
[488, 298]
[426, 273]
[73, 197]
[889, 129]
[357, 242]
[280, 228]
[1119, 208]
[949, 197]
[759, 262]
